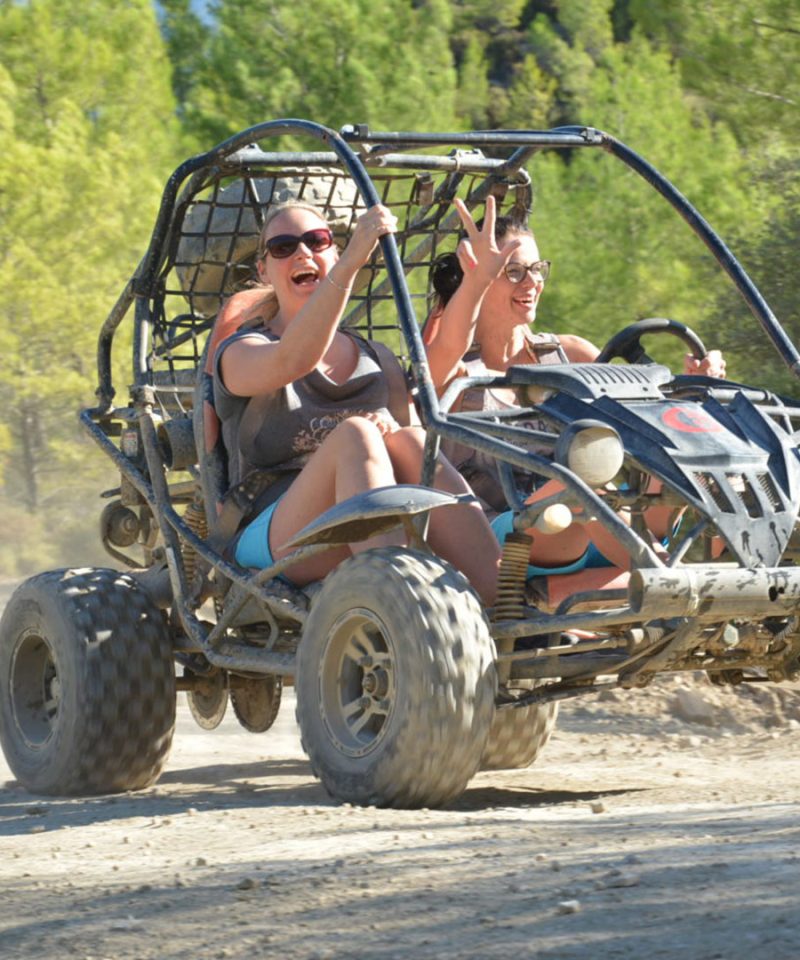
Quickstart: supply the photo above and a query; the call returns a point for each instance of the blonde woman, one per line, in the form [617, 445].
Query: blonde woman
[302, 398]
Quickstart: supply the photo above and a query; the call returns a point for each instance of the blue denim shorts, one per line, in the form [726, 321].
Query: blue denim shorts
[504, 524]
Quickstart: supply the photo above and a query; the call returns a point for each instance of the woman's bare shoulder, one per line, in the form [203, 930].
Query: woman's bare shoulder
[244, 307]
[578, 349]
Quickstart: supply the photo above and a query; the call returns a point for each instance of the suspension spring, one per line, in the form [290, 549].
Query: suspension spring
[511, 577]
[195, 517]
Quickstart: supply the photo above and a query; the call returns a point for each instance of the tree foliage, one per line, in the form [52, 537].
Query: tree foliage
[738, 57]
[99, 99]
[738, 62]
[386, 62]
[79, 181]
[771, 262]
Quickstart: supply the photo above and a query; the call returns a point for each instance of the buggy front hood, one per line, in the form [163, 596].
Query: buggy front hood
[735, 464]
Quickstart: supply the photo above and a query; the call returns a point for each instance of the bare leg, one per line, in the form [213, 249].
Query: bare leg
[352, 459]
[558, 549]
[459, 534]
[355, 457]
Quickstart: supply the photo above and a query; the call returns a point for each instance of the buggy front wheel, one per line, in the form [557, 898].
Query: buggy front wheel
[395, 681]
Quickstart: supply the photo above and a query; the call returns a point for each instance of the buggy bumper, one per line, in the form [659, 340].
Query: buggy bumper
[715, 592]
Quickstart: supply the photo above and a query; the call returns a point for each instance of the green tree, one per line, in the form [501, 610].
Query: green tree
[186, 37]
[474, 94]
[738, 61]
[493, 26]
[568, 47]
[620, 252]
[770, 258]
[85, 154]
[385, 62]
[530, 99]
[106, 58]
[739, 57]
[488, 17]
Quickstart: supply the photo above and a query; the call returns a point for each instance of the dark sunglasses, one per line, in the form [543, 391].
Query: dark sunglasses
[285, 244]
[516, 272]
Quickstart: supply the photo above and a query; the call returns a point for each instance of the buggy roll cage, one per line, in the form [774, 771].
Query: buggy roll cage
[356, 150]
[239, 151]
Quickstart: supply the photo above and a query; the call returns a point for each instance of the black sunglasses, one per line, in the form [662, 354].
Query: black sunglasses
[285, 244]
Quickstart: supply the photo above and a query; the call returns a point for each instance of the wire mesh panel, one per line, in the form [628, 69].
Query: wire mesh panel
[213, 241]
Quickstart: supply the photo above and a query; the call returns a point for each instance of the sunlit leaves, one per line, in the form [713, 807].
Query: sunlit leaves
[87, 119]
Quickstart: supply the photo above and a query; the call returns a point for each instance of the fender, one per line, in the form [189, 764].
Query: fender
[373, 512]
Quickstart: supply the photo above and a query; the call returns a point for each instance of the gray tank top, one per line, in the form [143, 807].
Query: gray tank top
[279, 432]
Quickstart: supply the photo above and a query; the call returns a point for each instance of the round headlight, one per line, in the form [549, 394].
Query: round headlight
[591, 450]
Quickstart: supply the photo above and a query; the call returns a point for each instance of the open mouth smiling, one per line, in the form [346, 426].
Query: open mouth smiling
[527, 301]
[305, 276]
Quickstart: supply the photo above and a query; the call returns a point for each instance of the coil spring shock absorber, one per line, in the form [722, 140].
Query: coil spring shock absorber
[195, 517]
[511, 577]
[510, 601]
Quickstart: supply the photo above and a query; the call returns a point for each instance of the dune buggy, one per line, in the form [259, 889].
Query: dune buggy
[405, 686]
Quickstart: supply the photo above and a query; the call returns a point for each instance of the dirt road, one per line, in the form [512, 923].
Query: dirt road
[660, 824]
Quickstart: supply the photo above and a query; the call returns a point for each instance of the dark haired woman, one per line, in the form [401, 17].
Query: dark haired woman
[486, 298]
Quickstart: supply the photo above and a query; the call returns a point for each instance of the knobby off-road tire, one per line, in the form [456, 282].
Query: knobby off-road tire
[518, 734]
[87, 684]
[395, 681]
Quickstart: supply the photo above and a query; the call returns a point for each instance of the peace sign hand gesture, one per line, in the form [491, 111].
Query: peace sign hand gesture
[478, 253]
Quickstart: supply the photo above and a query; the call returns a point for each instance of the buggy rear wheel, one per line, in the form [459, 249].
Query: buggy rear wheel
[87, 684]
[519, 734]
[395, 681]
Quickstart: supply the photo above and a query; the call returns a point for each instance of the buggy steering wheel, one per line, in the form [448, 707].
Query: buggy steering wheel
[626, 343]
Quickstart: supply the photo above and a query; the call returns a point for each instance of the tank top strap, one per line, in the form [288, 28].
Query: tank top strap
[364, 345]
[545, 348]
[474, 353]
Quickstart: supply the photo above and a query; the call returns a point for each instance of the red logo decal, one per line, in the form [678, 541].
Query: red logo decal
[690, 420]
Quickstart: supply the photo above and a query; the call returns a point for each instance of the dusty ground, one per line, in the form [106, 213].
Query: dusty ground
[664, 823]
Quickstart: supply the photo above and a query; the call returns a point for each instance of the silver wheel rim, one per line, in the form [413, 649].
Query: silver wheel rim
[356, 681]
[35, 689]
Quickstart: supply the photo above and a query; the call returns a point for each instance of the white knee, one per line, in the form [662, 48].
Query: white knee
[358, 433]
